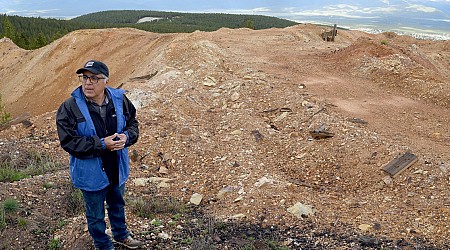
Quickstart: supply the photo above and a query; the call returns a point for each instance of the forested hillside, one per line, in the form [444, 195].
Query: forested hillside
[35, 32]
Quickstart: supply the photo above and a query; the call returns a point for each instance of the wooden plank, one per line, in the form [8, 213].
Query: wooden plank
[398, 165]
[17, 120]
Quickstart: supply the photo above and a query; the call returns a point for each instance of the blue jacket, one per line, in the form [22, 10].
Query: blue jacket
[83, 144]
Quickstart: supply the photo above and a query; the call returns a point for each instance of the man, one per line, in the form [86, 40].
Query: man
[95, 126]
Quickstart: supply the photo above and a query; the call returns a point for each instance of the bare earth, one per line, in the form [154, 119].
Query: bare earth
[224, 109]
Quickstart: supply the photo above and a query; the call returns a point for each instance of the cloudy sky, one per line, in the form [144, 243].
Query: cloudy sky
[426, 14]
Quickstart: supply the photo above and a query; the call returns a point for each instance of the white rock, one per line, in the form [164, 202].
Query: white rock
[300, 211]
[196, 199]
[263, 182]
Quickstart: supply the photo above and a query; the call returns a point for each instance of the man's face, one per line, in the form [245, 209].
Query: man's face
[93, 85]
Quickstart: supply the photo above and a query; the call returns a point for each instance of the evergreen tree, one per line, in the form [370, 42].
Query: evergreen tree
[8, 28]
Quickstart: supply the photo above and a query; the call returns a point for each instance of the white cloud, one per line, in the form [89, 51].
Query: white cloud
[349, 11]
[421, 8]
[261, 9]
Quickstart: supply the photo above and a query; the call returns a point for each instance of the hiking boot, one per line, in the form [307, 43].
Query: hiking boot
[130, 243]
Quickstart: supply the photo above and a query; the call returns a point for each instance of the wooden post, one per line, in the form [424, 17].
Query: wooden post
[334, 33]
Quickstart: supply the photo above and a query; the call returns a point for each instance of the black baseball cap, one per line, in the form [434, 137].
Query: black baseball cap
[95, 67]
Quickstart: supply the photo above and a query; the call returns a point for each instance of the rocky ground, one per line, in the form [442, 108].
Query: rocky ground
[227, 149]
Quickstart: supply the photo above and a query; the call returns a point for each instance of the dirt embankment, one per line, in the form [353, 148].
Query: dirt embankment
[234, 108]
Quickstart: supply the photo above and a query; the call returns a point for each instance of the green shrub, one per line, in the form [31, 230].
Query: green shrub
[48, 184]
[22, 222]
[384, 42]
[10, 205]
[156, 205]
[28, 164]
[40, 163]
[54, 244]
[75, 201]
[8, 174]
[61, 223]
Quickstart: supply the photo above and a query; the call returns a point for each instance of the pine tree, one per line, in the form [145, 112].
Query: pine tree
[9, 28]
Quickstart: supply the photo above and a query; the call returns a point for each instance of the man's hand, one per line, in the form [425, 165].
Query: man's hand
[115, 142]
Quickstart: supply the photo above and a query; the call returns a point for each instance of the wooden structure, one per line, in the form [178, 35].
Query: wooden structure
[398, 165]
[330, 35]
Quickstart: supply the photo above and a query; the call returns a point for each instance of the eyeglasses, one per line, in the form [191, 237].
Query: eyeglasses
[92, 79]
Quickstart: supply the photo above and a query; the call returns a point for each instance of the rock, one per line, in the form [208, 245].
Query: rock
[196, 199]
[163, 170]
[282, 116]
[238, 216]
[387, 180]
[224, 191]
[144, 181]
[238, 199]
[235, 96]
[209, 81]
[163, 185]
[236, 132]
[301, 211]
[164, 236]
[365, 227]
[258, 136]
[263, 182]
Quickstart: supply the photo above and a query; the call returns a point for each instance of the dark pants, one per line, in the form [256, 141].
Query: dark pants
[95, 215]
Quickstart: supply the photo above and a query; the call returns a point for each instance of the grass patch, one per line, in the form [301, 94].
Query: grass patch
[75, 201]
[54, 244]
[10, 205]
[22, 222]
[9, 174]
[157, 205]
[26, 165]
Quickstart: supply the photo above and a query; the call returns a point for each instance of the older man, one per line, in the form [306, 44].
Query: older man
[95, 126]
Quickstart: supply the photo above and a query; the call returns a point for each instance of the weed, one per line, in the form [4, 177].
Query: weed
[22, 222]
[156, 223]
[158, 205]
[40, 164]
[384, 42]
[75, 201]
[8, 174]
[54, 244]
[4, 116]
[48, 185]
[187, 241]
[29, 164]
[176, 216]
[10, 205]
[61, 223]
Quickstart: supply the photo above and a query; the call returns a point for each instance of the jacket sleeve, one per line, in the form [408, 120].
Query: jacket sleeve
[67, 117]
[132, 125]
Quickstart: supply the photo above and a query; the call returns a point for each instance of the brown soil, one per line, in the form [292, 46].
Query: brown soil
[229, 107]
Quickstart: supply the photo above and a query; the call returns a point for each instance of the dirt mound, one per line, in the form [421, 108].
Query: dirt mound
[231, 115]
